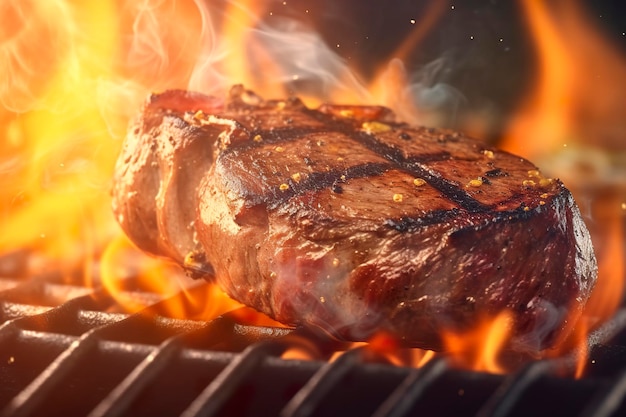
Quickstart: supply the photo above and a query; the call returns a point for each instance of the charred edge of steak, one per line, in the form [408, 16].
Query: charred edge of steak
[408, 224]
[521, 213]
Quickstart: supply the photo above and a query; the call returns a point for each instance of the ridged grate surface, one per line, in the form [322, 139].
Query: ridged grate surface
[69, 350]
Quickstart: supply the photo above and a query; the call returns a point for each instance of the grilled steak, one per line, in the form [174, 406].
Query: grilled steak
[344, 219]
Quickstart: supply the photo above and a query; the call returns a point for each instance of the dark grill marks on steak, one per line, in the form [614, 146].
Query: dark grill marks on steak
[410, 224]
[317, 181]
[343, 219]
[416, 165]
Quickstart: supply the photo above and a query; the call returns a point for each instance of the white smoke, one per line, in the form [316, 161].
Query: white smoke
[548, 320]
[306, 61]
[284, 56]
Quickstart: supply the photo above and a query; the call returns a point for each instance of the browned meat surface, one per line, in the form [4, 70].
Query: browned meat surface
[343, 219]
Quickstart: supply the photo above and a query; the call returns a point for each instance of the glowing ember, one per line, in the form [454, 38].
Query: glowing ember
[74, 72]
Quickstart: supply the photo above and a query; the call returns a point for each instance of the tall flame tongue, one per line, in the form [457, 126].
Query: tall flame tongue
[581, 85]
[56, 153]
[75, 72]
[569, 120]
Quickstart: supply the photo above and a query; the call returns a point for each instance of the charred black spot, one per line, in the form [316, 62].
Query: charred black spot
[404, 136]
[497, 172]
[317, 181]
[430, 157]
[410, 224]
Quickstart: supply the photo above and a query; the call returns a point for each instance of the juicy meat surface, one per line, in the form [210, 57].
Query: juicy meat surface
[344, 219]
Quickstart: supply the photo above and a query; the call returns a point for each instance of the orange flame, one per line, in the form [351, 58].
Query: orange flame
[126, 273]
[388, 346]
[389, 86]
[574, 109]
[480, 347]
[56, 154]
[580, 84]
[123, 268]
[73, 74]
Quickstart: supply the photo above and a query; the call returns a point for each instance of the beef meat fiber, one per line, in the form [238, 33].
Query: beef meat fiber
[344, 219]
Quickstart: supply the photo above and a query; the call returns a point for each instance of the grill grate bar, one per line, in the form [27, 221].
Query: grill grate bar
[608, 400]
[8, 331]
[122, 396]
[508, 394]
[72, 314]
[11, 311]
[27, 315]
[147, 346]
[413, 387]
[306, 400]
[213, 397]
[34, 394]
[45, 293]
[511, 390]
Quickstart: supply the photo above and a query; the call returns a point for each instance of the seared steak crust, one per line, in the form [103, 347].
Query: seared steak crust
[345, 219]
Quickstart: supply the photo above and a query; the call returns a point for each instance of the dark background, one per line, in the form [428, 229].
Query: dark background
[491, 71]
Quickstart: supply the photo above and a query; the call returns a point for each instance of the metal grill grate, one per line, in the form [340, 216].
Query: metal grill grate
[68, 350]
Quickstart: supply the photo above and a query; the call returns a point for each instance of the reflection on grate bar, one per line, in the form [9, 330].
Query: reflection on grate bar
[317, 388]
[511, 390]
[412, 388]
[85, 356]
[608, 399]
[211, 399]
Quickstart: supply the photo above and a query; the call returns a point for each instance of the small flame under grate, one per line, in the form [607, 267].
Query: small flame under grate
[67, 350]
